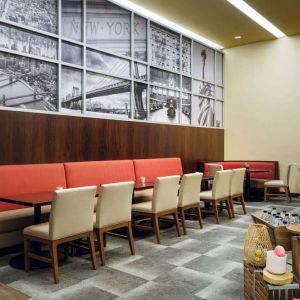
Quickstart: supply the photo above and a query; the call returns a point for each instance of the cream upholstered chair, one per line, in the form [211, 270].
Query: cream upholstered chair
[189, 196]
[237, 189]
[213, 168]
[164, 202]
[113, 211]
[71, 218]
[220, 192]
[290, 185]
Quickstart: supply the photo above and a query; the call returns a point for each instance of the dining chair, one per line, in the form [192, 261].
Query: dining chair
[237, 189]
[189, 197]
[213, 168]
[113, 212]
[164, 202]
[71, 218]
[220, 193]
[290, 185]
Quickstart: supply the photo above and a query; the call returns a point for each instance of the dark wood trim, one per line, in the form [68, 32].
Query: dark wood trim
[45, 138]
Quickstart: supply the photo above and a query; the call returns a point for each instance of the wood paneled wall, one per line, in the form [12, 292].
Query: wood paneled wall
[44, 138]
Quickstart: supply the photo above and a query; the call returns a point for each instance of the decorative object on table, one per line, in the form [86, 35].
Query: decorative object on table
[256, 245]
[143, 179]
[281, 279]
[276, 261]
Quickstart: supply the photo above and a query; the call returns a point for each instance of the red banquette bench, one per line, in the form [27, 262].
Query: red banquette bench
[22, 179]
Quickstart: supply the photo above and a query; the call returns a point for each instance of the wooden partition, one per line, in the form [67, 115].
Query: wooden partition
[44, 138]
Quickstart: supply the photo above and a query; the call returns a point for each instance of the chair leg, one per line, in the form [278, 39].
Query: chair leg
[198, 210]
[231, 207]
[92, 249]
[243, 203]
[182, 215]
[100, 245]
[156, 227]
[54, 255]
[215, 208]
[175, 215]
[130, 238]
[228, 207]
[288, 194]
[265, 193]
[104, 239]
[26, 254]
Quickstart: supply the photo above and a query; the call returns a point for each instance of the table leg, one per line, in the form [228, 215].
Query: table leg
[37, 215]
[247, 186]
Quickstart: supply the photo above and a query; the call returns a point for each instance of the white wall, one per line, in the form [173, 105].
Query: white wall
[262, 95]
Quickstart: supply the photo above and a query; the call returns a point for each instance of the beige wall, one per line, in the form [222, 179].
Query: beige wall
[262, 95]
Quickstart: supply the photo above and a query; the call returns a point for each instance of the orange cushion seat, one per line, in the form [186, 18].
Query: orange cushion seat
[24, 179]
[98, 172]
[157, 167]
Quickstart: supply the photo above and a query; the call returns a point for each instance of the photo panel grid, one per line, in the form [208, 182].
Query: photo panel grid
[140, 101]
[203, 88]
[164, 104]
[71, 89]
[202, 111]
[27, 83]
[219, 68]
[186, 57]
[140, 38]
[219, 113]
[164, 78]
[108, 96]
[71, 53]
[186, 106]
[140, 71]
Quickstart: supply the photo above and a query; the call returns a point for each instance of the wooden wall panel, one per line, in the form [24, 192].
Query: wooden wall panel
[44, 138]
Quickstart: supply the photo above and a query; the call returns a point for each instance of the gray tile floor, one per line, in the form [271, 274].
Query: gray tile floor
[204, 264]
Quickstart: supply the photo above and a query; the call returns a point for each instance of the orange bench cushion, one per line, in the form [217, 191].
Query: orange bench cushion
[98, 172]
[23, 179]
[252, 164]
[157, 167]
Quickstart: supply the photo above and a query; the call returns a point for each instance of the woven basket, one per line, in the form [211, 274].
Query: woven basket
[256, 245]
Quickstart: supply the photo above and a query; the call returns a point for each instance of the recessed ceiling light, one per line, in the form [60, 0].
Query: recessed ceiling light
[238, 37]
[257, 17]
[163, 21]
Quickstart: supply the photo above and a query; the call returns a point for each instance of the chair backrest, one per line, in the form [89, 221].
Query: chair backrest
[189, 191]
[72, 212]
[213, 168]
[114, 204]
[237, 181]
[293, 178]
[165, 193]
[221, 184]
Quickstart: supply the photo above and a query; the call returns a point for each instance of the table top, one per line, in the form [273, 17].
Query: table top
[143, 186]
[257, 170]
[294, 229]
[31, 200]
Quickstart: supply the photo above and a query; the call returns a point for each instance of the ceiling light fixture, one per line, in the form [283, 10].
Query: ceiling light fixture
[237, 37]
[163, 21]
[257, 17]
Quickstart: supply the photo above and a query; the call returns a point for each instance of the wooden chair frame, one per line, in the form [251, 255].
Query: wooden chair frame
[182, 210]
[155, 221]
[286, 192]
[53, 245]
[101, 232]
[215, 203]
[239, 199]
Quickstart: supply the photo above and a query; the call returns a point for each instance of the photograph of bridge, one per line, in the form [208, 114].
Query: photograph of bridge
[40, 14]
[71, 88]
[27, 83]
[27, 42]
[107, 95]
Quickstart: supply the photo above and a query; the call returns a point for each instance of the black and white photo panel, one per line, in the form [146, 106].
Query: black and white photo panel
[72, 19]
[203, 88]
[202, 111]
[140, 38]
[108, 27]
[219, 93]
[203, 62]
[140, 71]
[108, 96]
[27, 83]
[164, 78]
[20, 40]
[107, 63]
[186, 84]
[71, 53]
[219, 68]
[186, 108]
[186, 56]
[39, 14]
[140, 101]
[71, 89]
[219, 113]
[164, 105]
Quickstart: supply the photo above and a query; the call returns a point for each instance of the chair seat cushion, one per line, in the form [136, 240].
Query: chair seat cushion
[206, 195]
[275, 183]
[143, 207]
[38, 230]
[18, 219]
[143, 195]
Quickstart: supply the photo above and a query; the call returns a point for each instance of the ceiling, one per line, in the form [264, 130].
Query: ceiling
[219, 21]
